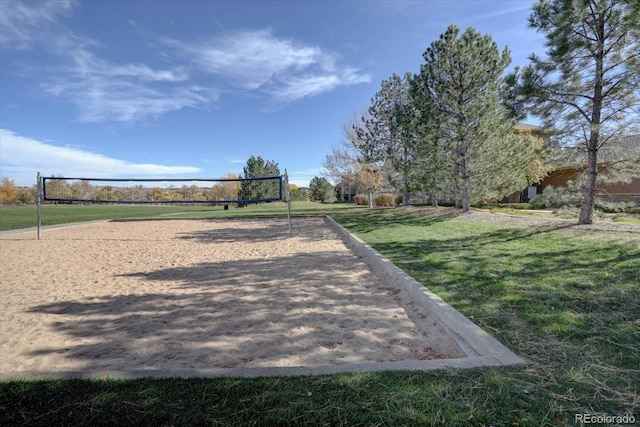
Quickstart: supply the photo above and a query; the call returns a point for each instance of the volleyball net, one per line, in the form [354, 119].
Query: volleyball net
[165, 191]
[162, 191]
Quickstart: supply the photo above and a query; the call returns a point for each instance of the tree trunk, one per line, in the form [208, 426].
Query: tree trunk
[433, 194]
[370, 200]
[466, 200]
[466, 189]
[586, 213]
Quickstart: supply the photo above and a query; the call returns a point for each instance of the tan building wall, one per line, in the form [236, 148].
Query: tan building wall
[614, 191]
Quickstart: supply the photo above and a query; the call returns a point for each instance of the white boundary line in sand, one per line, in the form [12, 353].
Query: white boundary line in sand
[482, 349]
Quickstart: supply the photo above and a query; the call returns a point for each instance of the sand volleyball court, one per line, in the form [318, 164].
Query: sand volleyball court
[181, 295]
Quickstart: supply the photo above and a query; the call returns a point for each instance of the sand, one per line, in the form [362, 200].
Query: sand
[201, 294]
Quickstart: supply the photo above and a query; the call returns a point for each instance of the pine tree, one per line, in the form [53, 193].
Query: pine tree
[388, 132]
[461, 87]
[262, 189]
[320, 189]
[588, 85]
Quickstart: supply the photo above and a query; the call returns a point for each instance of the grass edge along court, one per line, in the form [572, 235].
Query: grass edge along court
[566, 299]
[14, 217]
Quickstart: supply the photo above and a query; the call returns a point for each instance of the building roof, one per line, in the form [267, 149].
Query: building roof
[625, 148]
[616, 150]
[526, 127]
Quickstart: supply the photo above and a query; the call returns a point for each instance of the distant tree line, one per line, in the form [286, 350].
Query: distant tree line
[230, 188]
[11, 194]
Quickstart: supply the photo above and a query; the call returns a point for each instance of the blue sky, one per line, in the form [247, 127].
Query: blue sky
[192, 89]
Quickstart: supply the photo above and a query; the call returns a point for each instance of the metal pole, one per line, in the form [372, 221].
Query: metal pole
[288, 199]
[39, 202]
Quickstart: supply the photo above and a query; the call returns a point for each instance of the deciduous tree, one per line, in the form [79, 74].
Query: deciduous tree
[298, 194]
[342, 164]
[370, 179]
[226, 190]
[8, 191]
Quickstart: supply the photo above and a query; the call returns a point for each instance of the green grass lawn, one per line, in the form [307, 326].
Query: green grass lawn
[18, 217]
[566, 299]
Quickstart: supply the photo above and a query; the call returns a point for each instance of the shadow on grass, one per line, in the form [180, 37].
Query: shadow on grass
[448, 398]
[367, 220]
[521, 282]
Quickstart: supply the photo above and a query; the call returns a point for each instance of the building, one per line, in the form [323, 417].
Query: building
[617, 154]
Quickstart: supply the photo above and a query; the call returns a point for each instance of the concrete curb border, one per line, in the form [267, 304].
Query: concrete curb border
[408, 365]
[475, 342]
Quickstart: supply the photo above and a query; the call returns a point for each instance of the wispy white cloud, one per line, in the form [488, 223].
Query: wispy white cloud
[281, 69]
[237, 161]
[25, 23]
[506, 9]
[104, 91]
[251, 58]
[101, 90]
[86, 63]
[21, 158]
[257, 60]
[291, 88]
[117, 98]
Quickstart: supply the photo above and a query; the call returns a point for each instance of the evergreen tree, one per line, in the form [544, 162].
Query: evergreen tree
[260, 189]
[462, 87]
[321, 190]
[588, 86]
[388, 133]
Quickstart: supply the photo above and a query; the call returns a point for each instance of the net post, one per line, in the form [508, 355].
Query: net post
[39, 202]
[288, 199]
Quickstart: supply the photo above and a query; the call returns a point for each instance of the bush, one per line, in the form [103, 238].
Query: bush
[398, 200]
[361, 199]
[514, 206]
[298, 194]
[617, 207]
[552, 197]
[384, 200]
[538, 202]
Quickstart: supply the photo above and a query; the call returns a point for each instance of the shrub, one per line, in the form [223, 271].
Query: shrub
[616, 207]
[552, 197]
[538, 202]
[384, 200]
[516, 206]
[361, 199]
